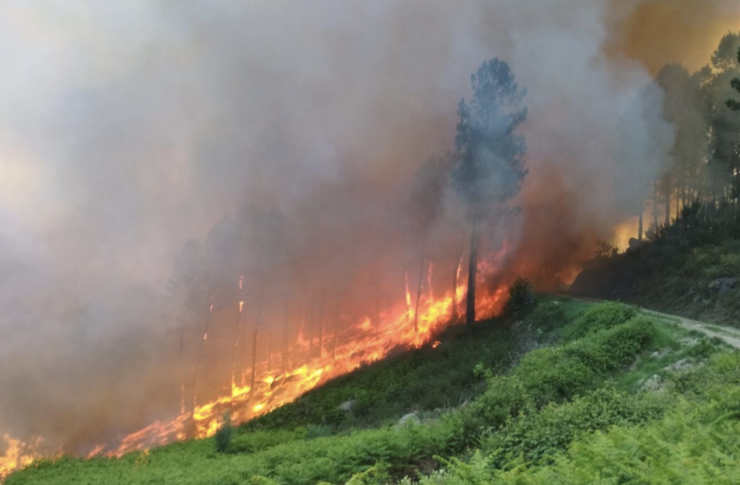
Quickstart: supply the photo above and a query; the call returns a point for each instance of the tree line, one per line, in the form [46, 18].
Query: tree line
[263, 255]
[702, 162]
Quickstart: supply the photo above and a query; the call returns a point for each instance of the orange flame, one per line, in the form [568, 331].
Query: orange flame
[360, 343]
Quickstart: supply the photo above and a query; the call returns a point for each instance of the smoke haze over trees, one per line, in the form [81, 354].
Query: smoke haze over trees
[152, 153]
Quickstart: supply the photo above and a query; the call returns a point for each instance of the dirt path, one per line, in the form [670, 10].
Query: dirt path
[728, 335]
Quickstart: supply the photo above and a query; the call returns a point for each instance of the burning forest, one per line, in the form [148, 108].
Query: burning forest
[208, 211]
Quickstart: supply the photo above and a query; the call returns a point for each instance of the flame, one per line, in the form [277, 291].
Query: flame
[429, 281]
[361, 343]
[17, 454]
[624, 232]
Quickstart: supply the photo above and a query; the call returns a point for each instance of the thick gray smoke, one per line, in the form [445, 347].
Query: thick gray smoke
[128, 128]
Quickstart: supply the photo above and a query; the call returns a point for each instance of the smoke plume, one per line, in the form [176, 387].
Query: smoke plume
[130, 128]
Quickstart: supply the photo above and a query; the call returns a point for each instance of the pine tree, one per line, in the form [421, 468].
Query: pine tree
[490, 153]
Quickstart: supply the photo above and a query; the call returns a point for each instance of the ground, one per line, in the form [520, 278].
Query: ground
[539, 400]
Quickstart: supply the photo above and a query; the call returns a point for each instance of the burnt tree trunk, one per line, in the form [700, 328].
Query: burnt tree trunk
[455, 275]
[472, 272]
[286, 331]
[200, 352]
[237, 337]
[655, 208]
[336, 328]
[183, 376]
[639, 231]
[418, 295]
[255, 334]
[310, 327]
[377, 307]
[321, 323]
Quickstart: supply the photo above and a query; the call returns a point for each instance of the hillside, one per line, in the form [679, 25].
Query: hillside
[690, 268]
[574, 393]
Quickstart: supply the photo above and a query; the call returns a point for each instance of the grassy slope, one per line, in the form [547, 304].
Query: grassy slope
[584, 381]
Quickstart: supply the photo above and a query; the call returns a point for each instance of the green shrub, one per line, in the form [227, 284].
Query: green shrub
[222, 438]
[250, 442]
[547, 316]
[694, 443]
[521, 300]
[557, 373]
[318, 431]
[599, 317]
[535, 435]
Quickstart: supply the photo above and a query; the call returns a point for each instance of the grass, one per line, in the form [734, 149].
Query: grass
[511, 421]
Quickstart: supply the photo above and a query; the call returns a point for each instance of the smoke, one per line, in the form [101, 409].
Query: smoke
[127, 129]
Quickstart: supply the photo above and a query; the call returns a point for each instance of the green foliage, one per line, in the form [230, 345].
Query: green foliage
[558, 373]
[546, 316]
[531, 415]
[222, 438]
[733, 103]
[521, 300]
[695, 443]
[535, 435]
[422, 380]
[262, 440]
[490, 153]
[599, 317]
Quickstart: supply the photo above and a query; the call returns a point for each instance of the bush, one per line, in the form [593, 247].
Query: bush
[557, 373]
[521, 300]
[547, 316]
[537, 435]
[250, 442]
[694, 443]
[599, 317]
[223, 435]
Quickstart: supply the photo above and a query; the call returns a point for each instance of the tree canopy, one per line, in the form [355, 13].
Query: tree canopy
[490, 165]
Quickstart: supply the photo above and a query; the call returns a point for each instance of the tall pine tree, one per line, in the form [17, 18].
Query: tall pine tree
[490, 153]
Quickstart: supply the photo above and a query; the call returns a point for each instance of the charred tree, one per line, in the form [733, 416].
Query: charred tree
[455, 278]
[418, 295]
[201, 351]
[255, 335]
[286, 332]
[472, 273]
[321, 323]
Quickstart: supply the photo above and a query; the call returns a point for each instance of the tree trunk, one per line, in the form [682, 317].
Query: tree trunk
[336, 329]
[472, 272]
[237, 337]
[655, 208]
[639, 233]
[255, 334]
[321, 323]
[182, 369]
[310, 326]
[200, 352]
[377, 308]
[455, 276]
[286, 331]
[418, 295]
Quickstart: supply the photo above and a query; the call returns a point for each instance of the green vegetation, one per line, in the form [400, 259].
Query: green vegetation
[565, 409]
[690, 268]
[521, 300]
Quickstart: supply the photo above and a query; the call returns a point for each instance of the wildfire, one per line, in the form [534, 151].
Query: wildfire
[360, 343]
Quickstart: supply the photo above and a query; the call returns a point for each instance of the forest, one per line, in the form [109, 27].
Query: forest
[538, 283]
